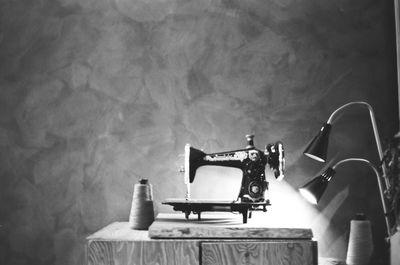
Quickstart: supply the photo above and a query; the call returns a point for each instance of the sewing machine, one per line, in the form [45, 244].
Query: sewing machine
[250, 160]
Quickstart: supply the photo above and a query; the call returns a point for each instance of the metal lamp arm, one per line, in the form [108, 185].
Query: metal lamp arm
[374, 128]
[381, 191]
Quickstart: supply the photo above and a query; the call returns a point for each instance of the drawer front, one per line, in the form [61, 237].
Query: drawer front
[160, 252]
[259, 253]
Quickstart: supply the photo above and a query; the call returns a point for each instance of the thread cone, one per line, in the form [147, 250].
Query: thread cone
[142, 209]
[360, 246]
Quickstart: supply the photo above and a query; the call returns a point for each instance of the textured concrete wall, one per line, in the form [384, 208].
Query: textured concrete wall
[95, 94]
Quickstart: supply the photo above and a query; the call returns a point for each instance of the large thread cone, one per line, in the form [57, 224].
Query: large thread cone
[360, 247]
[142, 209]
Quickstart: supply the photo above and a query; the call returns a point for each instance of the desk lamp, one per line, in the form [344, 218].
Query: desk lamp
[314, 189]
[318, 147]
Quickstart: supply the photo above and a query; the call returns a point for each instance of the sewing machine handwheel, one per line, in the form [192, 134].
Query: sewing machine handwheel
[276, 159]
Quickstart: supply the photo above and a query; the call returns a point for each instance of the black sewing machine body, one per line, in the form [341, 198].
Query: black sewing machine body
[250, 160]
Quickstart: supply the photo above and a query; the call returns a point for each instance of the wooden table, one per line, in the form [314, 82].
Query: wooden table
[215, 240]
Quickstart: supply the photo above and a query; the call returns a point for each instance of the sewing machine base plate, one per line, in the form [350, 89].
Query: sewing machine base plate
[198, 206]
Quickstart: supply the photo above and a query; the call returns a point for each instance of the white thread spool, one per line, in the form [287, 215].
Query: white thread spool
[360, 246]
[142, 209]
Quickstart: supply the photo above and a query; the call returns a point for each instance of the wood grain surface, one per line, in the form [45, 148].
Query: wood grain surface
[330, 261]
[220, 226]
[259, 253]
[143, 253]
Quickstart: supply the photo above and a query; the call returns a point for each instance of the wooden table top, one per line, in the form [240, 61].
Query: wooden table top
[119, 231]
[212, 226]
[226, 226]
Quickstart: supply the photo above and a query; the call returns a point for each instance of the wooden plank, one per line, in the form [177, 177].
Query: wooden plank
[300, 252]
[220, 226]
[330, 261]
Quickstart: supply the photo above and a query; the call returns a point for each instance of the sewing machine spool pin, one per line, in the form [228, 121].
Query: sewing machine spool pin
[250, 141]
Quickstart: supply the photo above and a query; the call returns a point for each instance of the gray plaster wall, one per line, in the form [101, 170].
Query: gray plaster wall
[95, 94]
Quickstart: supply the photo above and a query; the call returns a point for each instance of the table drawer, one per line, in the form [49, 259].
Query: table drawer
[160, 252]
[259, 253]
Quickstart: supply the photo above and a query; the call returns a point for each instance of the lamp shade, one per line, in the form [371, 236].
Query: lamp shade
[318, 147]
[314, 189]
